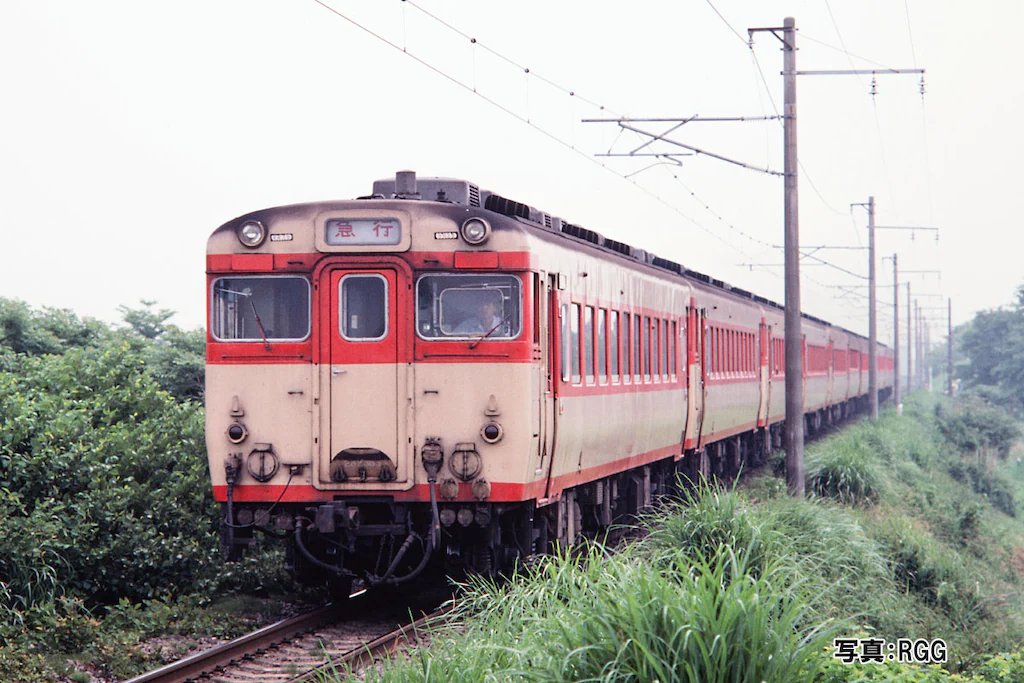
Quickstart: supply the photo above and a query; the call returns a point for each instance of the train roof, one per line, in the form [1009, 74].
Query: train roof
[405, 185]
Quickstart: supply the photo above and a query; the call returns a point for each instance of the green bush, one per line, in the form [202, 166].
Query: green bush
[996, 488]
[848, 468]
[974, 424]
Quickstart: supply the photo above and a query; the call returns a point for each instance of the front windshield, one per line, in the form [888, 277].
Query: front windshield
[248, 308]
[469, 306]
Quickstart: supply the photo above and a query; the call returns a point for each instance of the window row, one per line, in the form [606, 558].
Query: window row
[731, 352]
[598, 344]
[777, 357]
[817, 360]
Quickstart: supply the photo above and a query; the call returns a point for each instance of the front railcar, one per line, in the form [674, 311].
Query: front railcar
[372, 381]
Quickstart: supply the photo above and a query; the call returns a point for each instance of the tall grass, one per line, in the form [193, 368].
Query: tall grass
[633, 616]
[850, 467]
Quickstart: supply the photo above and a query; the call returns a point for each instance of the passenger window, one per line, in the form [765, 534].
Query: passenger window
[626, 349]
[574, 322]
[613, 343]
[674, 349]
[663, 325]
[602, 368]
[637, 347]
[647, 348]
[565, 343]
[364, 307]
[588, 343]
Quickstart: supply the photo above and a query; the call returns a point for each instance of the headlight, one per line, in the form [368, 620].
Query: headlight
[476, 230]
[251, 233]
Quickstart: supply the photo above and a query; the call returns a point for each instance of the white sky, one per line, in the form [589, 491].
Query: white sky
[130, 130]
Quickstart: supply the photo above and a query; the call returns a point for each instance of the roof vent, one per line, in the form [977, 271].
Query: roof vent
[582, 233]
[667, 265]
[507, 207]
[620, 247]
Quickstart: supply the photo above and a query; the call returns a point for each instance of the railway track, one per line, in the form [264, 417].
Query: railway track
[301, 648]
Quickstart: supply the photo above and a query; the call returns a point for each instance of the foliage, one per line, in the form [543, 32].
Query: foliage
[145, 321]
[974, 424]
[104, 492]
[846, 469]
[176, 358]
[994, 487]
[994, 345]
[105, 483]
[635, 616]
[52, 330]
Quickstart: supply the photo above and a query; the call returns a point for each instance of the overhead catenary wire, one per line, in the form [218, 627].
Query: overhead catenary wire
[526, 120]
[589, 102]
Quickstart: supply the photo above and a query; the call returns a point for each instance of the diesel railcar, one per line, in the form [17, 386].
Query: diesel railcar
[435, 377]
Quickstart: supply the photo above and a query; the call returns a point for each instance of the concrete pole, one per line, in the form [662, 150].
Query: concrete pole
[917, 344]
[926, 348]
[872, 320]
[910, 346]
[793, 328]
[949, 351]
[895, 333]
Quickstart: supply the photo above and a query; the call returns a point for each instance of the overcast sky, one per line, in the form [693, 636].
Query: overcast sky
[131, 130]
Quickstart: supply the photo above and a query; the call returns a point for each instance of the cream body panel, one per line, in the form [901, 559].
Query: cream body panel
[272, 415]
[730, 406]
[597, 430]
[450, 402]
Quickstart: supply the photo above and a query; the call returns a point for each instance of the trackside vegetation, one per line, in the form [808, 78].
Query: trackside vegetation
[109, 558]
[108, 533]
[909, 534]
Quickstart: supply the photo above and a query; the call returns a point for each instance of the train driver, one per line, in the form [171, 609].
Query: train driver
[486, 319]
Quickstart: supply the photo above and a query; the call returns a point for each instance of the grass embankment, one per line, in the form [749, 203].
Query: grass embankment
[908, 538]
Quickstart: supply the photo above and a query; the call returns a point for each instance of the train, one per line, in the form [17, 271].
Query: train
[437, 378]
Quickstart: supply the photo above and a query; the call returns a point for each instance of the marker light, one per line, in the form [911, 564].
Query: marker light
[476, 230]
[252, 233]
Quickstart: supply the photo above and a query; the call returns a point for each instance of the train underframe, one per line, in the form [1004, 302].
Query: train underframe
[380, 542]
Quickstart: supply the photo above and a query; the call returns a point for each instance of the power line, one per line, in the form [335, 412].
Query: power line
[731, 28]
[521, 118]
[473, 41]
[882, 67]
[910, 32]
[835, 25]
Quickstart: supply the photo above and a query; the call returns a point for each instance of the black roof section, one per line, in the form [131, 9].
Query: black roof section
[471, 195]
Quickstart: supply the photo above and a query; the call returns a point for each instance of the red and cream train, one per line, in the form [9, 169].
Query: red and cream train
[435, 376]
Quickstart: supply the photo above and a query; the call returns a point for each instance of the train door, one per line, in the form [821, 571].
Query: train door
[546, 310]
[557, 316]
[831, 397]
[763, 373]
[696, 375]
[364, 333]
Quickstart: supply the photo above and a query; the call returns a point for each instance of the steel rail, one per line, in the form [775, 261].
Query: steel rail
[368, 652]
[209, 660]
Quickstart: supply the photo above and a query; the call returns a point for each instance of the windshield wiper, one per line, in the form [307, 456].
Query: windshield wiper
[247, 293]
[259, 323]
[477, 341]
